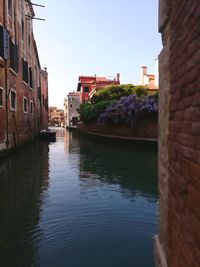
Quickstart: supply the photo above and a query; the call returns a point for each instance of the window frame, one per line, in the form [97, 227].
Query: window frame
[25, 98]
[13, 108]
[31, 107]
[2, 89]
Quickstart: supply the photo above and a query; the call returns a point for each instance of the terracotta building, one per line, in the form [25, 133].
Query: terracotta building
[88, 85]
[178, 241]
[56, 116]
[20, 75]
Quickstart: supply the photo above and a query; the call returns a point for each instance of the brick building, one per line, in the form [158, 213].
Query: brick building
[88, 85]
[20, 75]
[44, 99]
[178, 241]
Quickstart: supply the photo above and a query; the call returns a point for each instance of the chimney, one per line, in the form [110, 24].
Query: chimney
[142, 73]
[144, 70]
[118, 77]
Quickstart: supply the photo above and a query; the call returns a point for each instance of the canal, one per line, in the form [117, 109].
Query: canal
[79, 202]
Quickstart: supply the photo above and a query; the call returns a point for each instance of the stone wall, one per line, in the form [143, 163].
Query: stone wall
[145, 128]
[178, 242]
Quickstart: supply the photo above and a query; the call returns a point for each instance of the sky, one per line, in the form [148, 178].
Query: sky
[88, 37]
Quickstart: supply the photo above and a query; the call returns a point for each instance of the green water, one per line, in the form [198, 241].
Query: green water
[79, 202]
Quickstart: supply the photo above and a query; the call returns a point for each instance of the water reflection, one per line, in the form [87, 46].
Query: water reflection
[78, 202]
[132, 166]
[23, 181]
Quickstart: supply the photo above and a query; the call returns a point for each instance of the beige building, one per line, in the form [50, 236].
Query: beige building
[71, 109]
[56, 116]
[150, 80]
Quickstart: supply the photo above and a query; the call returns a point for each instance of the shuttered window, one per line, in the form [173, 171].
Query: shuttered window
[1, 97]
[25, 70]
[4, 43]
[13, 56]
[25, 105]
[13, 100]
[30, 77]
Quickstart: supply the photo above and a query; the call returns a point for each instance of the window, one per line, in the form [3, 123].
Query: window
[1, 97]
[46, 104]
[25, 105]
[13, 100]
[10, 8]
[43, 100]
[86, 89]
[25, 70]
[4, 43]
[22, 28]
[30, 77]
[70, 105]
[13, 56]
[31, 106]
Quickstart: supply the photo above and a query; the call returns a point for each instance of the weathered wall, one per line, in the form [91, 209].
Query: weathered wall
[178, 243]
[44, 99]
[22, 125]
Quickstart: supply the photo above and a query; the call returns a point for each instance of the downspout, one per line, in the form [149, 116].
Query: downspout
[6, 79]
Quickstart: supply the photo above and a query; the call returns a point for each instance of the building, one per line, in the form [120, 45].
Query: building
[88, 85]
[56, 116]
[178, 240]
[149, 80]
[71, 109]
[20, 75]
[44, 99]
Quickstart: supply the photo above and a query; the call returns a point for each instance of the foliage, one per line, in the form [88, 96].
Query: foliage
[90, 112]
[127, 109]
[115, 92]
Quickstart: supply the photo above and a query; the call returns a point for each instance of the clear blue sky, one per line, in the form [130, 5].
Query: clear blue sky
[87, 37]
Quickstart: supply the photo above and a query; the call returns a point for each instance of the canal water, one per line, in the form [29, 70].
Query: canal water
[79, 202]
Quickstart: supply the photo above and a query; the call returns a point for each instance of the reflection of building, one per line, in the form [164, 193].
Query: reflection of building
[20, 80]
[21, 198]
[71, 108]
[88, 85]
[56, 116]
[149, 80]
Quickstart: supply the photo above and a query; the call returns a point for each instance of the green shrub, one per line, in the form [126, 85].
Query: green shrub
[115, 92]
[90, 112]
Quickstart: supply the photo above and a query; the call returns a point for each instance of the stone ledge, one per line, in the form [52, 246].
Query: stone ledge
[159, 254]
[118, 136]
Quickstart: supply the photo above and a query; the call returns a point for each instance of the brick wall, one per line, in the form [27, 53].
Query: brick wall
[178, 243]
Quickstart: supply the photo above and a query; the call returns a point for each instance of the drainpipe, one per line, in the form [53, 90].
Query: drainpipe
[6, 79]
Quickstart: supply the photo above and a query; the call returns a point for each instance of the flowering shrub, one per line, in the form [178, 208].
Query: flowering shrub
[127, 109]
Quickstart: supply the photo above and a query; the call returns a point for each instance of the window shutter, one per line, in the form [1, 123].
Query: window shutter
[16, 57]
[30, 77]
[4, 43]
